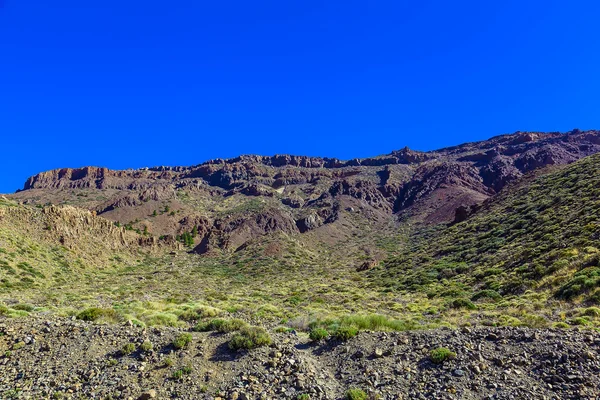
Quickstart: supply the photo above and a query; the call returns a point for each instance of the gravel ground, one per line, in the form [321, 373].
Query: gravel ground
[62, 358]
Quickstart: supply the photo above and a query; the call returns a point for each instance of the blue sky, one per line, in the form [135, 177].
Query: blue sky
[139, 83]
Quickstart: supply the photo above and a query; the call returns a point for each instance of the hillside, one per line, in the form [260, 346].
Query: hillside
[99, 262]
[225, 203]
[530, 246]
[525, 256]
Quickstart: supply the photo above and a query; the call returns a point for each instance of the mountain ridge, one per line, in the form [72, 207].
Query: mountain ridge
[228, 202]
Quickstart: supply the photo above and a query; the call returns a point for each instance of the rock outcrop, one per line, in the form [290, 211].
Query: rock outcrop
[298, 192]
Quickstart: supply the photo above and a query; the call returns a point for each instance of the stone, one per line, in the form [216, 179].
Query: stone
[150, 394]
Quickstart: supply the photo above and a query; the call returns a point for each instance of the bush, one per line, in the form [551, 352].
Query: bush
[169, 362]
[591, 312]
[318, 334]
[95, 313]
[146, 346]
[250, 337]
[463, 303]
[23, 307]
[487, 294]
[356, 394]
[90, 314]
[128, 349]
[375, 322]
[346, 332]
[441, 354]
[182, 340]
[303, 397]
[181, 372]
[583, 321]
[220, 325]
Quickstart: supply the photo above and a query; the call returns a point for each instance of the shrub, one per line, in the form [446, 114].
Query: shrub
[487, 294]
[90, 314]
[182, 340]
[250, 337]
[23, 307]
[303, 397]
[374, 322]
[463, 303]
[146, 346]
[580, 321]
[181, 372]
[169, 362]
[591, 312]
[356, 394]
[583, 281]
[95, 313]
[220, 325]
[441, 354]
[318, 334]
[128, 349]
[346, 332]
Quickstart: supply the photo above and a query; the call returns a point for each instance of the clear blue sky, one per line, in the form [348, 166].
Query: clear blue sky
[140, 83]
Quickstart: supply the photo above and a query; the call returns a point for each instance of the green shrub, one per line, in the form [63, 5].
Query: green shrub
[220, 325]
[463, 303]
[3, 309]
[374, 322]
[318, 334]
[169, 362]
[181, 372]
[487, 294]
[591, 312]
[95, 313]
[182, 340]
[250, 337]
[304, 396]
[23, 307]
[90, 314]
[583, 281]
[583, 321]
[356, 394]
[128, 349]
[441, 354]
[346, 332]
[146, 346]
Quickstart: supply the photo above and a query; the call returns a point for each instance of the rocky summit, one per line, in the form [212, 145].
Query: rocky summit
[469, 272]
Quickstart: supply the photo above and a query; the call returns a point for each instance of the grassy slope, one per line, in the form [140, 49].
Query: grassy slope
[528, 258]
[513, 262]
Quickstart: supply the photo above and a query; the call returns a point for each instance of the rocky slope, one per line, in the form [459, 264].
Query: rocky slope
[229, 202]
[58, 358]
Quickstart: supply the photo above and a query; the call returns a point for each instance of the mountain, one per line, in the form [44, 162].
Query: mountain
[169, 282]
[319, 237]
[225, 204]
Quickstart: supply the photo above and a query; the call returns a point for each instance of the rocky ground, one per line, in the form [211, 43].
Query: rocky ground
[62, 358]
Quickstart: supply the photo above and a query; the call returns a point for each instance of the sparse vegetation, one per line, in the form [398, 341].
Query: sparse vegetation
[441, 354]
[345, 333]
[318, 334]
[127, 349]
[250, 337]
[356, 394]
[146, 346]
[182, 340]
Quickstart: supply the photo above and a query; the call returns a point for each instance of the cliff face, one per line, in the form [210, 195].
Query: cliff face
[242, 198]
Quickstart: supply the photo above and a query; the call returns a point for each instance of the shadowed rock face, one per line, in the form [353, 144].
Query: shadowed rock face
[298, 194]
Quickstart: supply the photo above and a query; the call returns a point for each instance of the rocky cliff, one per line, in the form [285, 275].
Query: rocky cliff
[238, 199]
